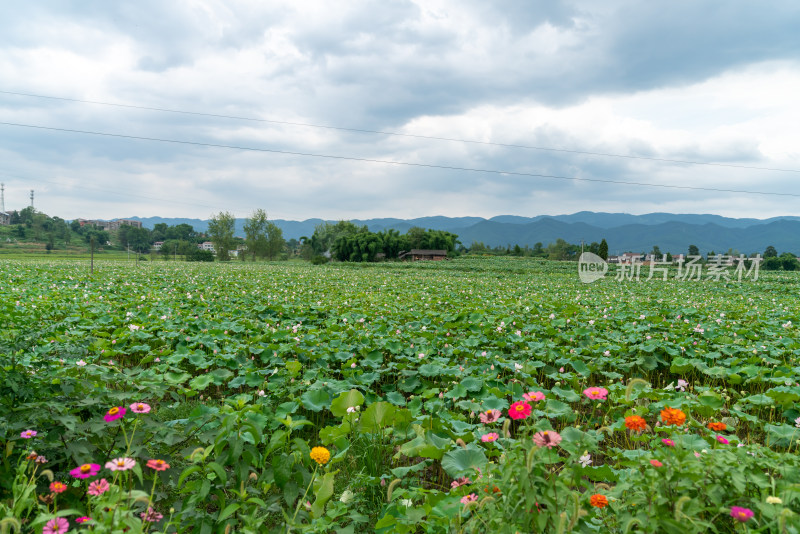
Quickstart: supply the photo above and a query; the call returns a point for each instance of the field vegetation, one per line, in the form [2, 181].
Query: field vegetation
[473, 395]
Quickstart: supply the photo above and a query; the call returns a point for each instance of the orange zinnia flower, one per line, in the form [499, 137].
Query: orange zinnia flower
[673, 416]
[598, 501]
[719, 427]
[635, 423]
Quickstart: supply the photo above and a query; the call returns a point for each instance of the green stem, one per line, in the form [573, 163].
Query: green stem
[300, 503]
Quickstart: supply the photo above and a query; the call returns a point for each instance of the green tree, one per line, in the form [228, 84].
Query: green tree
[275, 241]
[220, 229]
[255, 231]
[693, 250]
[789, 262]
[770, 252]
[603, 250]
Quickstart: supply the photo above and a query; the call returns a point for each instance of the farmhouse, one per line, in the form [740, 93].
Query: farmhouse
[417, 254]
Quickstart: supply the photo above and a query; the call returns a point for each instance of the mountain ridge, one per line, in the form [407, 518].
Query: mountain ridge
[623, 232]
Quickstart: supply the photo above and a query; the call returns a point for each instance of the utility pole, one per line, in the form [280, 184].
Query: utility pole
[91, 265]
[2, 198]
[31, 198]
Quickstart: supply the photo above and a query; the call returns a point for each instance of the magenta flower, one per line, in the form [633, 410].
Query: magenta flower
[491, 436]
[533, 396]
[490, 416]
[466, 499]
[151, 515]
[741, 514]
[121, 464]
[59, 525]
[596, 393]
[98, 487]
[27, 434]
[114, 413]
[547, 438]
[519, 410]
[140, 407]
[668, 442]
[722, 440]
[83, 519]
[655, 463]
[85, 470]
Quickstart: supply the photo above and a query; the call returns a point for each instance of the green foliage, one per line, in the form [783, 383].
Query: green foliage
[391, 368]
[220, 228]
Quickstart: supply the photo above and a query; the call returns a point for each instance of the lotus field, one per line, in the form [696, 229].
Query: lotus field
[474, 395]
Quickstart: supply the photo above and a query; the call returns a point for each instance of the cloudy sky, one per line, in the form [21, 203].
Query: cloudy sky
[598, 94]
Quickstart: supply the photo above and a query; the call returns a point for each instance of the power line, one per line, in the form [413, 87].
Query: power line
[403, 163]
[114, 192]
[397, 134]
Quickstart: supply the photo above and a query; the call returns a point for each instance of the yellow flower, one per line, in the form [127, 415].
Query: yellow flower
[321, 455]
[774, 500]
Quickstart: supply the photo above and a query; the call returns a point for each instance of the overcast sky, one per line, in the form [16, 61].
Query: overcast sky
[687, 80]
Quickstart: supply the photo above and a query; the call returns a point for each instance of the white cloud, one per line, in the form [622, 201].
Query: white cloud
[568, 75]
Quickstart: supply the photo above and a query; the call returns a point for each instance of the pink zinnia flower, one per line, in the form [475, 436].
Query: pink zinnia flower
[83, 519]
[140, 407]
[668, 442]
[59, 525]
[114, 413]
[722, 440]
[27, 434]
[459, 482]
[98, 487]
[58, 487]
[490, 416]
[655, 463]
[596, 393]
[519, 410]
[158, 465]
[85, 470]
[533, 396]
[466, 499]
[121, 464]
[151, 515]
[491, 436]
[741, 514]
[547, 438]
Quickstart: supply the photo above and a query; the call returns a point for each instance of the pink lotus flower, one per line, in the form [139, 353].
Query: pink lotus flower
[27, 434]
[121, 464]
[490, 416]
[114, 413]
[488, 438]
[533, 396]
[140, 407]
[466, 499]
[85, 471]
[596, 393]
[98, 487]
[547, 438]
[59, 525]
[722, 440]
[741, 514]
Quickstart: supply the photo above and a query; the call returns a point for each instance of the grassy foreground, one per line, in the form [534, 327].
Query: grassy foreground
[472, 395]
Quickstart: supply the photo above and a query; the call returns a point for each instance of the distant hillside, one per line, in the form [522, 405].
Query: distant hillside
[623, 232]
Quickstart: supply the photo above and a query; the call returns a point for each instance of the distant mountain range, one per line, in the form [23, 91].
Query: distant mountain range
[623, 232]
